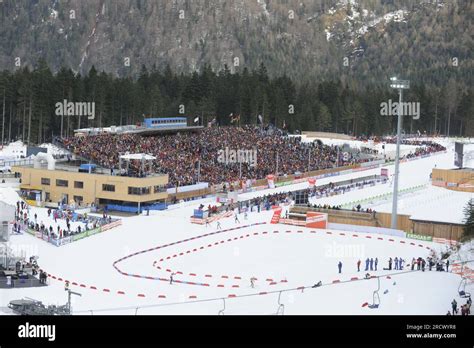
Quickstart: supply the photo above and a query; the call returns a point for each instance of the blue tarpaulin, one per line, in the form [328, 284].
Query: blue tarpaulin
[87, 167]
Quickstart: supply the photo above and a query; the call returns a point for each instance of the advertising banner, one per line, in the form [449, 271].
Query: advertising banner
[419, 237]
[271, 181]
[94, 231]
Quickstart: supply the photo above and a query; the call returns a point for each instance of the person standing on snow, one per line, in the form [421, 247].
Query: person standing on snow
[358, 266]
[367, 264]
[252, 282]
[339, 266]
[371, 264]
[454, 304]
[236, 218]
[376, 262]
[219, 225]
[447, 265]
[171, 278]
[396, 262]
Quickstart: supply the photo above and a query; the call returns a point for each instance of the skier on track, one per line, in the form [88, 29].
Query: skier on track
[219, 227]
[171, 278]
[207, 223]
[252, 282]
[236, 218]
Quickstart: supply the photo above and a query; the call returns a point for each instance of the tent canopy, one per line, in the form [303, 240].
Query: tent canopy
[137, 156]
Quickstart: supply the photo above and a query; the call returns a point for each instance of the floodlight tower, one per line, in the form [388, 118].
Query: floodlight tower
[400, 85]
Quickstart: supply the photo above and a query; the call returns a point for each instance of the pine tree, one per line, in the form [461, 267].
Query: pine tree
[469, 221]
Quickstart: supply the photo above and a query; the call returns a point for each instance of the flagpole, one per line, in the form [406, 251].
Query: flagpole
[277, 166]
[199, 171]
[309, 159]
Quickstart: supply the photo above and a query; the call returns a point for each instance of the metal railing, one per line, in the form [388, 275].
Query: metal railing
[20, 283]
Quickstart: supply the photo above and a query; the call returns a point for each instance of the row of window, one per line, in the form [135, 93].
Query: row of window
[167, 121]
[62, 183]
[107, 187]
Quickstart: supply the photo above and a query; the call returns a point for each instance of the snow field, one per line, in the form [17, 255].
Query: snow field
[291, 260]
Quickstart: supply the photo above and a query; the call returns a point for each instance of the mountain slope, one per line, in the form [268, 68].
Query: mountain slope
[301, 38]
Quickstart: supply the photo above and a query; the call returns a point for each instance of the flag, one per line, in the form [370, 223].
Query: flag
[260, 118]
[233, 118]
[211, 123]
[196, 120]
[284, 124]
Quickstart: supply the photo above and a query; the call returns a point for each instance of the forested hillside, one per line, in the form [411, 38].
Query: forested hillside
[302, 64]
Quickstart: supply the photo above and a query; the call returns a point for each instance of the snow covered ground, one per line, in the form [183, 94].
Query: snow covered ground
[17, 150]
[119, 271]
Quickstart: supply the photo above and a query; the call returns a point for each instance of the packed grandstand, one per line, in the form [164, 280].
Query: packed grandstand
[179, 155]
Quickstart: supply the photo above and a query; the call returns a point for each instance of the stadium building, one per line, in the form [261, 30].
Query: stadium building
[87, 184]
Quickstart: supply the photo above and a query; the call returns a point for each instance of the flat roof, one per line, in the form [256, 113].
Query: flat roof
[137, 156]
[155, 131]
[97, 171]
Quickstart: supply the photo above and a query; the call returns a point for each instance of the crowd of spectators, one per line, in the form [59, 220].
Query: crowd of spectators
[178, 154]
[83, 222]
[182, 155]
[424, 146]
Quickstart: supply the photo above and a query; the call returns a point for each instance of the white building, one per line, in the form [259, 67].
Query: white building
[7, 217]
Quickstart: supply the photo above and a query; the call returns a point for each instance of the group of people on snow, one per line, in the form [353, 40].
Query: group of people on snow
[24, 219]
[398, 263]
[465, 308]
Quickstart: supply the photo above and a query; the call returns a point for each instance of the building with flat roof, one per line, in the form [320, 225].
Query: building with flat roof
[67, 185]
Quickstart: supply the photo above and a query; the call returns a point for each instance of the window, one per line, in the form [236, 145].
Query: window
[139, 191]
[47, 196]
[78, 199]
[78, 184]
[62, 183]
[108, 187]
[45, 181]
[159, 188]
